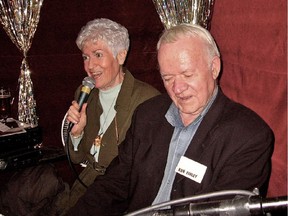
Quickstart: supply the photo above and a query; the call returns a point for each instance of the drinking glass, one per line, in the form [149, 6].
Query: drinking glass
[5, 103]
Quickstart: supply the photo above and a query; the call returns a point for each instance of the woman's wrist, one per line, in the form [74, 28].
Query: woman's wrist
[77, 136]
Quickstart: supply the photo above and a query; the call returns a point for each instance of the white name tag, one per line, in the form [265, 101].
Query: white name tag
[191, 169]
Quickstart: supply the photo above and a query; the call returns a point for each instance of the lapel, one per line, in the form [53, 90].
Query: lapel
[209, 124]
[159, 134]
[124, 100]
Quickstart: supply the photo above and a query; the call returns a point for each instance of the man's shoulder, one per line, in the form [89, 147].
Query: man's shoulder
[238, 113]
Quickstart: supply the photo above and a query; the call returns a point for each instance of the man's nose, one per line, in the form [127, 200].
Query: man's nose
[179, 86]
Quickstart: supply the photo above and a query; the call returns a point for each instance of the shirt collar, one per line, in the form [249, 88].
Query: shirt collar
[173, 115]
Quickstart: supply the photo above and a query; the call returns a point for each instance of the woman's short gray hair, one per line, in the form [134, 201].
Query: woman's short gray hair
[115, 35]
[172, 35]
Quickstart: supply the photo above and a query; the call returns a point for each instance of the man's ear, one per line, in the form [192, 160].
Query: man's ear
[216, 67]
[121, 57]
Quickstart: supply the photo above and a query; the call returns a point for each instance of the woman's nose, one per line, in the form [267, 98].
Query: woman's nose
[90, 64]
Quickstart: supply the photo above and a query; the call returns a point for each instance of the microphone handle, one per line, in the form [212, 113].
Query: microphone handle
[275, 205]
[242, 206]
[81, 100]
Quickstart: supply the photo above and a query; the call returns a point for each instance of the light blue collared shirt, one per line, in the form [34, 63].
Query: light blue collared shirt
[179, 143]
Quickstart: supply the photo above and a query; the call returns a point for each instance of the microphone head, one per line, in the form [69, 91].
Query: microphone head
[89, 82]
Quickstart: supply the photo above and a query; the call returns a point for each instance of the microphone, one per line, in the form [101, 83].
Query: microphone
[88, 84]
[244, 206]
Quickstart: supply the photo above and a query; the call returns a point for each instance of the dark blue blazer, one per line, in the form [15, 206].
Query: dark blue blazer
[233, 142]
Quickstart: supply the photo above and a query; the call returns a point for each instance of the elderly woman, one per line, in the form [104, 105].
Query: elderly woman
[102, 123]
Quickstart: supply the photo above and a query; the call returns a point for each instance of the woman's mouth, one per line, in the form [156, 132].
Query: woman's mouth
[96, 75]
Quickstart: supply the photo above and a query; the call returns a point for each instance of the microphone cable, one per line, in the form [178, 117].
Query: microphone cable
[244, 203]
[145, 211]
[65, 141]
[88, 83]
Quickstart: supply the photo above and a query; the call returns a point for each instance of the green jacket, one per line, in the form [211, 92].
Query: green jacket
[133, 92]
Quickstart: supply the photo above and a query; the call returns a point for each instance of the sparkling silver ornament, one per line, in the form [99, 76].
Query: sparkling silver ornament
[20, 19]
[174, 12]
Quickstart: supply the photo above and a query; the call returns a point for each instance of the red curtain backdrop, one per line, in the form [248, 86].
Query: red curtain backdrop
[252, 39]
[251, 36]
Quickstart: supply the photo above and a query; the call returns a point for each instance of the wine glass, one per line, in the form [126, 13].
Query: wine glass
[5, 103]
